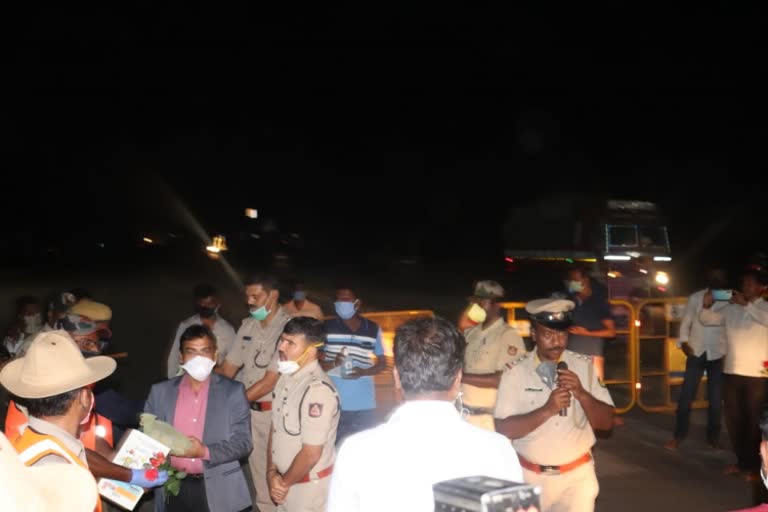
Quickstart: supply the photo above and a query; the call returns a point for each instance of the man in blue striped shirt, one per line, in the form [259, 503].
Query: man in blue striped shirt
[358, 339]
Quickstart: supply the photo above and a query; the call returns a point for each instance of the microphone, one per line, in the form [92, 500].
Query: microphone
[562, 365]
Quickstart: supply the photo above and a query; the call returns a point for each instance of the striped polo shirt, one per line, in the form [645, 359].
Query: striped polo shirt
[362, 345]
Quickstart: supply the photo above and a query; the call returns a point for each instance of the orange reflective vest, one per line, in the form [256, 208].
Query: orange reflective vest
[33, 446]
[97, 426]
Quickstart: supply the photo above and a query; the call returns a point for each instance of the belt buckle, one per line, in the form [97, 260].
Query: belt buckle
[549, 470]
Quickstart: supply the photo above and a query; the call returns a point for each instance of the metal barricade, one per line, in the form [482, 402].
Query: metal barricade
[660, 363]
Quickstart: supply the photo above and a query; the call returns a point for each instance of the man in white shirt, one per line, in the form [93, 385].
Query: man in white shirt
[704, 348]
[206, 313]
[393, 466]
[745, 384]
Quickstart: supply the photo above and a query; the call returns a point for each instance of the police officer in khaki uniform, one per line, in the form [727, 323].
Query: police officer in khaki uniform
[549, 402]
[304, 421]
[255, 351]
[490, 345]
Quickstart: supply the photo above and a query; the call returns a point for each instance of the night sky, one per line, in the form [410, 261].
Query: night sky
[334, 116]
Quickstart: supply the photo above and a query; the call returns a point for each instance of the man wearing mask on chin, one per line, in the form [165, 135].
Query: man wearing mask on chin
[304, 420]
[255, 351]
[213, 412]
[54, 380]
[206, 313]
[356, 341]
[490, 345]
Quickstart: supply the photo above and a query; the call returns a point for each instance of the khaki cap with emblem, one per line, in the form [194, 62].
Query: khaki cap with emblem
[552, 313]
[488, 290]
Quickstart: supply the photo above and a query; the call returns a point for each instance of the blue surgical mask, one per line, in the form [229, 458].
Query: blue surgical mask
[575, 286]
[299, 295]
[260, 314]
[345, 310]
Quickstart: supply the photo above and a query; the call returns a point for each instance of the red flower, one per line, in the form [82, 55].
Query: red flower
[155, 463]
[160, 457]
[765, 364]
[151, 474]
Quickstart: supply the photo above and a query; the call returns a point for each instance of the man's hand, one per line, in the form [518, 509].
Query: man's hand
[196, 449]
[570, 381]
[559, 399]
[577, 329]
[148, 478]
[686, 348]
[708, 300]
[738, 298]
[278, 491]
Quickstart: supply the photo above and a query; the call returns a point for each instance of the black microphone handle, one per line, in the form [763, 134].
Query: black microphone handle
[562, 365]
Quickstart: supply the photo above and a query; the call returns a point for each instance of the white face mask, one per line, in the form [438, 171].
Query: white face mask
[33, 323]
[199, 367]
[287, 367]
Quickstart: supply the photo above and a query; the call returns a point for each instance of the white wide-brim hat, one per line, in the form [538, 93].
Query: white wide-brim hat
[53, 365]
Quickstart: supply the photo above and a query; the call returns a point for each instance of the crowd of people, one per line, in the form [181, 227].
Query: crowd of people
[281, 413]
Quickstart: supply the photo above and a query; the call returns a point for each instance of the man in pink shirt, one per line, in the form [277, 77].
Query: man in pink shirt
[213, 412]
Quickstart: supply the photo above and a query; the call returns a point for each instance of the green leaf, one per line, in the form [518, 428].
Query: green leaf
[171, 472]
[181, 475]
[173, 487]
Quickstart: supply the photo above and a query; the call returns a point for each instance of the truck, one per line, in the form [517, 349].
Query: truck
[624, 243]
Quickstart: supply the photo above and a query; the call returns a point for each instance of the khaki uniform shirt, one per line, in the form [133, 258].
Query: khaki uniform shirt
[305, 411]
[560, 439]
[255, 349]
[487, 352]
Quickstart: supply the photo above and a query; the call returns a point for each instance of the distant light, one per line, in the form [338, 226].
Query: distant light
[295, 235]
[568, 260]
[100, 244]
[638, 385]
[251, 213]
[218, 244]
[634, 254]
[637, 323]
[662, 278]
[612, 275]
[643, 271]
[616, 257]
[662, 258]
[148, 240]
[661, 289]
[256, 236]
[172, 235]
[509, 260]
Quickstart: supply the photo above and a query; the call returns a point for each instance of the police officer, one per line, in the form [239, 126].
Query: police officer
[549, 410]
[490, 345]
[304, 421]
[255, 351]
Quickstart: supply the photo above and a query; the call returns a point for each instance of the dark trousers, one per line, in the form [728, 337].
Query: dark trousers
[744, 397]
[694, 369]
[352, 422]
[191, 497]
